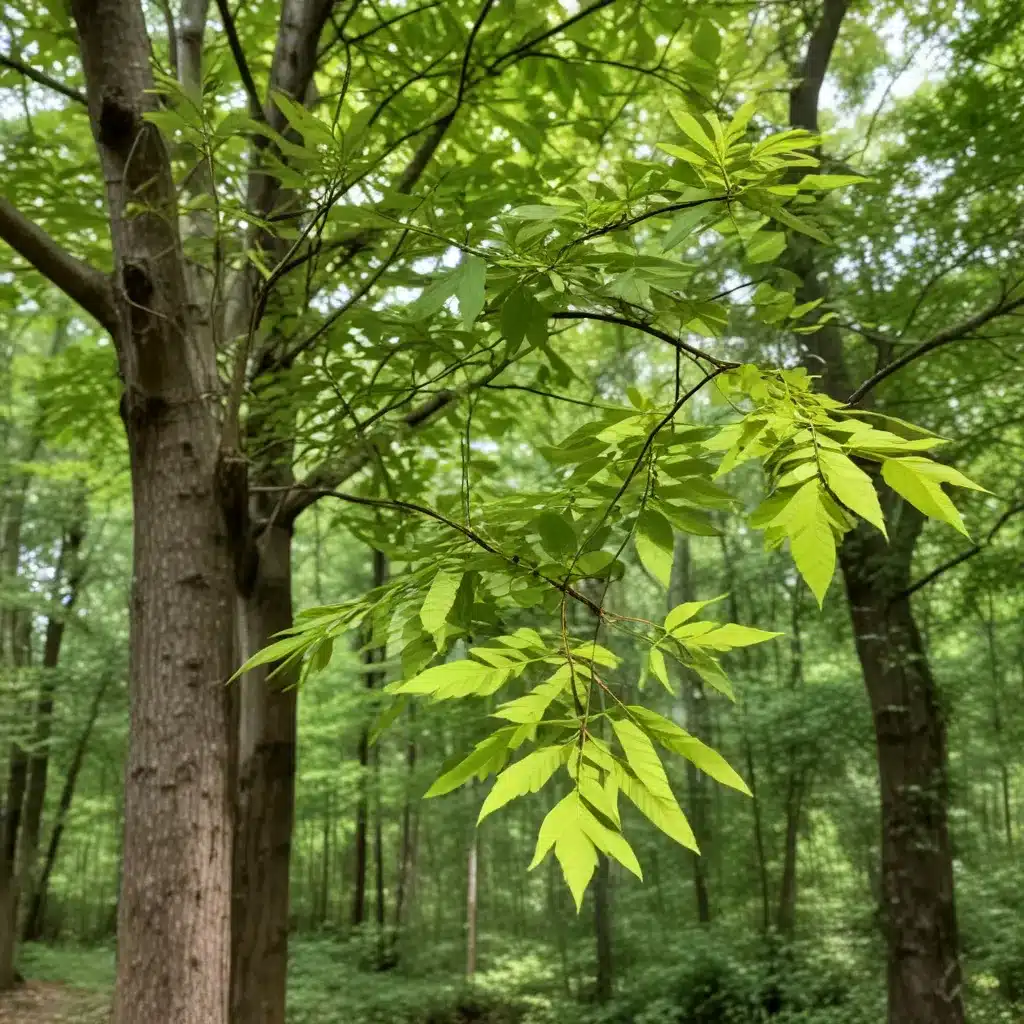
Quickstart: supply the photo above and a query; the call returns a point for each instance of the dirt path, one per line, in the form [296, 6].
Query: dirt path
[44, 1002]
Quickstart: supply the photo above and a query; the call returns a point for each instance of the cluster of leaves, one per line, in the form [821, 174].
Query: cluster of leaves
[628, 479]
[635, 478]
[813, 448]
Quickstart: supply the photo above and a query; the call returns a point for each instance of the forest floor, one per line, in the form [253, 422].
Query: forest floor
[49, 1002]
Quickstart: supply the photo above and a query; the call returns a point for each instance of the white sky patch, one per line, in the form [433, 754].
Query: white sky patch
[910, 70]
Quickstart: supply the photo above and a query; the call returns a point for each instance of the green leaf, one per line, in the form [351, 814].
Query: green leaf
[609, 841]
[765, 246]
[686, 611]
[656, 662]
[434, 296]
[823, 182]
[811, 540]
[522, 316]
[691, 128]
[471, 288]
[283, 651]
[682, 226]
[439, 600]
[468, 673]
[942, 473]
[578, 858]
[654, 544]
[599, 655]
[673, 738]
[663, 814]
[594, 563]
[725, 638]
[557, 536]
[527, 775]
[904, 476]
[643, 759]
[682, 153]
[852, 486]
[387, 718]
[706, 42]
[562, 829]
[487, 755]
[531, 708]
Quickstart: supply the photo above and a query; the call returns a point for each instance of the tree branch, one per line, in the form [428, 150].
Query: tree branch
[86, 285]
[328, 476]
[238, 54]
[1001, 307]
[639, 325]
[40, 78]
[542, 37]
[395, 504]
[964, 555]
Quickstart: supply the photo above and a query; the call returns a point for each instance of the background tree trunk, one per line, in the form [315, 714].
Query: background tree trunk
[697, 714]
[39, 761]
[33, 930]
[924, 974]
[267, 727]
[603, 932]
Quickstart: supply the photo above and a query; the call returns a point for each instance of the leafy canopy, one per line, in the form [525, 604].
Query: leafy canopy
[630, 477]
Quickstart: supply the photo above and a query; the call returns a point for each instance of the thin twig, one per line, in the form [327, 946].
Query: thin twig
[964, 555]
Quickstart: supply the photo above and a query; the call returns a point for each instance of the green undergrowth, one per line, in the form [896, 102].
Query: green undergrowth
[699, 978]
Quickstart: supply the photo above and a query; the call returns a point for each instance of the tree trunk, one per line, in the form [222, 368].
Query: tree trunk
[786, 919]
[471, 905]
[37, 900]
[39, 760]
[372, 655]
[924, 975]
[12, 811]
[603, 932]
[266, 797]
[16, 649]
[406, 856]
[378, 856]
[174, 909]
[697, 714]
[800, 760]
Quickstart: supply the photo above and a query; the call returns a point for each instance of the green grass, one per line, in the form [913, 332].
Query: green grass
[325, 986]
[86, 967]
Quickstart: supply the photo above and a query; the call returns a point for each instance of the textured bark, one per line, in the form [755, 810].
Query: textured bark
[266, 799]
[924, 975]
[174, 907]
[15, 653]
[33, 930]
[12, 811]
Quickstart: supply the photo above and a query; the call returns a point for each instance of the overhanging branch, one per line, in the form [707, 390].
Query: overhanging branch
[40, 78]
[86, 285]
[975, 549]
[1001, 307]
[654, 332]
